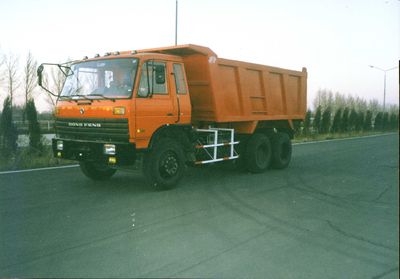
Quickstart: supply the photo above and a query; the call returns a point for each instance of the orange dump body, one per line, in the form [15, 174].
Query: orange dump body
[224, 90]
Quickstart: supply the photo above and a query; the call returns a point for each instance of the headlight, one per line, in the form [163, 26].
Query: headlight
[60, 145]
[109, 149]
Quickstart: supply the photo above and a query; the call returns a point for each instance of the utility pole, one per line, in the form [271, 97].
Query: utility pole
[176, 22]
[384, 81]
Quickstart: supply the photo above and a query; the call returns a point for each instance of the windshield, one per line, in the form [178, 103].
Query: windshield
[111, 78]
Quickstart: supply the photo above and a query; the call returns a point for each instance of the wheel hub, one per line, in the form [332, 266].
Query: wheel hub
[170, 165]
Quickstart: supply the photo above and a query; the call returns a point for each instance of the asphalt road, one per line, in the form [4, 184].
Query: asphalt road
[332, 214]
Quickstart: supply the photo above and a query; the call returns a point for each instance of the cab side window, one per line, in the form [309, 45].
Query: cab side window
[179, 79]
[153, 79]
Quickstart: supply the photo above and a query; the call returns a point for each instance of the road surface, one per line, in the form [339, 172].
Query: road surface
[332, 214]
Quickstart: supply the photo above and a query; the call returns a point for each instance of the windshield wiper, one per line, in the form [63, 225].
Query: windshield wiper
[81, 95]
[67, 98]
[101, 95]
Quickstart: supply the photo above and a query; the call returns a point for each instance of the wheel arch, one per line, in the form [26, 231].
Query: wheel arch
[271, 127]
[180, 133]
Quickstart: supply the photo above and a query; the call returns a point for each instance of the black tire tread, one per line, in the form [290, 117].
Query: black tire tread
[96, 172]
[279, 141]
[252, 147]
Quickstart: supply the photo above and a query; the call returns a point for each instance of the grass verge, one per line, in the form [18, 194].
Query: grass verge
[25, 158]
[329, 136]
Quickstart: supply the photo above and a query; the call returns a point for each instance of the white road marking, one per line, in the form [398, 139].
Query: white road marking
[39, 169]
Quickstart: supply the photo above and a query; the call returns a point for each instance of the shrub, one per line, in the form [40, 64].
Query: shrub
[345, 120]
[378, 123]
[326, 121]
[337, 119]
[317, 120]
[352, 120]
[368, 121]
[35, 142]
[8, 131]
[307, 123]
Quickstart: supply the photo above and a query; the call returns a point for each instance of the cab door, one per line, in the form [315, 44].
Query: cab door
[181, 91]
[156, 104]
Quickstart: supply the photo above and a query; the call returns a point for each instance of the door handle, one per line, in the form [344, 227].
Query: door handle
[170, 114]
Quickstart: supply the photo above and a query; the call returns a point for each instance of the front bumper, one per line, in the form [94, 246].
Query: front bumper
[125, 153]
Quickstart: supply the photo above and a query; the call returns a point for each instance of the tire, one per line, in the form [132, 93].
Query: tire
[281, 151]
[96, 171]
[258, 153]
[240, 163]
[164, 165]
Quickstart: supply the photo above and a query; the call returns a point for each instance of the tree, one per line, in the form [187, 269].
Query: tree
[345, 120]
[339, 101]
[317, 120]
[337, 121]
[360, 104]
[35, 142]
[368, 121]
[378, 122]
[307, 123]
[326, 121]
[29, 79]
[350, 102]
[352, 120]
[393, 121]
[323, 99]
[385, 121]
[8, 131]
[11, 76]
[360, 121]
[1, 67]
[374, 107]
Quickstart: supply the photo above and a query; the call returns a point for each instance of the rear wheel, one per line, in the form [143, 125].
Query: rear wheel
[281, 151]
[96, 171]
[164, 165]
[258, 153]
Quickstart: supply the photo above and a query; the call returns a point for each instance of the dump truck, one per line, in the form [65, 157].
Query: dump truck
[175, 107]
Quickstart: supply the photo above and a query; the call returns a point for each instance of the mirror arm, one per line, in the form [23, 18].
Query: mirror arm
[48, 91]
[40, 79]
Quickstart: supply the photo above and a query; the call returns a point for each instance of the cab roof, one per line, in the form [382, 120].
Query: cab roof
[181, 50]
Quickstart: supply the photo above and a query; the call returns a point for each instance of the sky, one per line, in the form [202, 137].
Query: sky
[336, 40]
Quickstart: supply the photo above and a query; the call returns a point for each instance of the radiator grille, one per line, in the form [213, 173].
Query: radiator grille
[96, 129]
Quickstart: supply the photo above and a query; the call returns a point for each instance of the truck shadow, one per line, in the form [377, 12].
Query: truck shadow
[133, 182]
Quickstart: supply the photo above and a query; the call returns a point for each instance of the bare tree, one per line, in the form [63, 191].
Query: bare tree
[324, 99]
[339, 102]
[360, 104]
[2, 59]
[29, 78]
[11, 75]
[374, 107]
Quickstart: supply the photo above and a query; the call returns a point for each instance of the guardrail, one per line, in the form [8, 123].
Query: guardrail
[46, 127]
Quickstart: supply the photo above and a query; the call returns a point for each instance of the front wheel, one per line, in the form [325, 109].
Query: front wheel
[96, 171]
[164, 164]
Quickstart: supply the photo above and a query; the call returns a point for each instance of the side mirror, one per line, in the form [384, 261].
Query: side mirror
[160, 74]
[39, 75]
